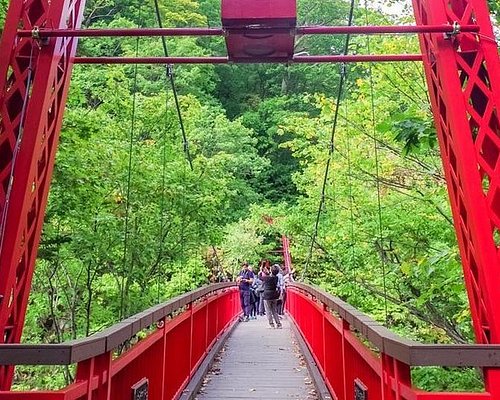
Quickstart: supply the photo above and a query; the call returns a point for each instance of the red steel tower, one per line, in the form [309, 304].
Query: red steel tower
[34, 81]
[463, 76]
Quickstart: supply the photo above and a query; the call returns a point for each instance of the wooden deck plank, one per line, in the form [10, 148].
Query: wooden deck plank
[259, 363]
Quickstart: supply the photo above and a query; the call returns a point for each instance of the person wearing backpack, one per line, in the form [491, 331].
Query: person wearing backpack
[271, 295]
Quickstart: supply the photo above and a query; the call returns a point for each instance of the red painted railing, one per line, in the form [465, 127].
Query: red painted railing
[337, 336]
[182, 331]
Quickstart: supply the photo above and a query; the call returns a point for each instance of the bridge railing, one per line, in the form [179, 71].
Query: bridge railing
[180, 332]
[360, 359]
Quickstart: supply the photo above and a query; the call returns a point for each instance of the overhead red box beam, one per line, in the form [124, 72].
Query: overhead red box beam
[247, 35]
[301, 30]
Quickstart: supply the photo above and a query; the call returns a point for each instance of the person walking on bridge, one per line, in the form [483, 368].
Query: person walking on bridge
[245, 280]
[271, 295]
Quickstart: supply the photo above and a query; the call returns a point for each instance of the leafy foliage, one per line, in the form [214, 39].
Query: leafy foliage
[3, 11]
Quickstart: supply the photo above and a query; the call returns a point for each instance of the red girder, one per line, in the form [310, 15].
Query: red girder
[225, 60]
[27, 156]
[463, 78]
[300, 30]
[287, 258]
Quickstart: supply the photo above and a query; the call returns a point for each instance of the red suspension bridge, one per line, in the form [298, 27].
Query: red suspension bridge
[351, 354]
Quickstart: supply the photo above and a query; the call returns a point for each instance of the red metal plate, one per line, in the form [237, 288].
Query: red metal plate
[254, 45]
[267, 12]
[243, 48]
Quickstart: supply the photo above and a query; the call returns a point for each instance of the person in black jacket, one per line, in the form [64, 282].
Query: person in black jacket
[244, 281]
[271, 294]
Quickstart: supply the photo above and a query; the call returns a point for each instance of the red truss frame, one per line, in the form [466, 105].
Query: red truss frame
[31, 112]
[463, 78]
[464, 100]
[462, 69]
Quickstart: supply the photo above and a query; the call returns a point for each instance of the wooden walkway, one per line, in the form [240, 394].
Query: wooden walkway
[259, 363]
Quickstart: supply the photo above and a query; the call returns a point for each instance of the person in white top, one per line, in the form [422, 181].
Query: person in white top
[287, 278]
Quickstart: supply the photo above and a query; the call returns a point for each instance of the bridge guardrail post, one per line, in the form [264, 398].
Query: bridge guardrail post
[387, 376]
[162, 325]
[402, 375]
[100, 367]
[394, 375]
[191, 317]
[345, 328]
[324, 311]
[207, 322]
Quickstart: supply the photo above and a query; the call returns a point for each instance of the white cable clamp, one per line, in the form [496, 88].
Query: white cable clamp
[170, 70]
[457, 29]
[35, 33]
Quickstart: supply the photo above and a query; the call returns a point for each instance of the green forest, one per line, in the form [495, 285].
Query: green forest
[140, 212]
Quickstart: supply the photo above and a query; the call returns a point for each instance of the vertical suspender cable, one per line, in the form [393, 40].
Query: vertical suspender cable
[162, 199]
[170, 75]
[343, 75]
[351, 199]
[129, 182]
[183, 232]
[377, 175]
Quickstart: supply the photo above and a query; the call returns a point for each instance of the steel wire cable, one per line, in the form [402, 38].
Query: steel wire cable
[331, 149]
[129, 184]
[185, 143]
[170, 76]
[377, 173]
[162, 198]
[350, 194]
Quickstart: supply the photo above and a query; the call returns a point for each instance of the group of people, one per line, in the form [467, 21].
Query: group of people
[263, 293]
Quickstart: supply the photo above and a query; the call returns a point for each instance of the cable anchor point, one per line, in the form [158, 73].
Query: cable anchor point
[343, 69]
[35, 34]
[457, 29]
[170, 70]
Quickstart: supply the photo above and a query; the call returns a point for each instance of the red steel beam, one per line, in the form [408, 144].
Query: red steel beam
[462, 75]
[32, 101]
[122, 32]
[287, 258]
[357, 58]
[372, 30]
[151, 60]
[301, 30]
[225, 60]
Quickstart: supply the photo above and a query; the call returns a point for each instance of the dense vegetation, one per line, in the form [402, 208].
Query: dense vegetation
[130, 223]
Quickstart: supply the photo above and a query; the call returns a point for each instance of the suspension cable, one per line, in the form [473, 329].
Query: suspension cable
[185, 143]
[377, 174]
[162, 198]
[170, 76]
[129, 182]
[331, 149]
[183, 275]
[350, 193]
